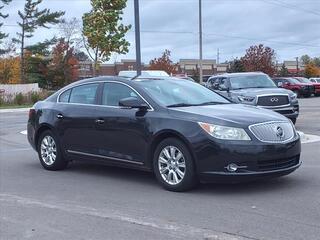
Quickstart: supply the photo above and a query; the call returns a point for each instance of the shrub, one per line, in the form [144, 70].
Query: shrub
[19, 99]
[35, 97]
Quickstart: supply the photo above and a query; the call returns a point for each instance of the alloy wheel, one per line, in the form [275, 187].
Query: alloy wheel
[172, 165]
[48, 150]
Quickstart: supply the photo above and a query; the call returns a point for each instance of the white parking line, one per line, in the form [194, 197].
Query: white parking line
[24, 132]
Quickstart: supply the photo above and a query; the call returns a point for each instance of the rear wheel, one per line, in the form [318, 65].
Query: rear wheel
[173, 165]
[49, 152]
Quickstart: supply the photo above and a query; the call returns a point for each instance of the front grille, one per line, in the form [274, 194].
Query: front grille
[312, 89]
[273, 100]
[273, 132]
[265, 165]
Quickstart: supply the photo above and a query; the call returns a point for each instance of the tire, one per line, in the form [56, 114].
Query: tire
[172, 168]
[48, 145]
[293, 120]
[297, 93]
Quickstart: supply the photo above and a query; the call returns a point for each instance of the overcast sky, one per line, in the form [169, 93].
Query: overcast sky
[291, 27]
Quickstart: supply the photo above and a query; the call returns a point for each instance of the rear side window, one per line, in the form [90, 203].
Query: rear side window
[85, 94]
[64, 97]
[114, 92]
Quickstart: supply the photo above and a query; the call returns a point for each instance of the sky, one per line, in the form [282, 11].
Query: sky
[290, 27]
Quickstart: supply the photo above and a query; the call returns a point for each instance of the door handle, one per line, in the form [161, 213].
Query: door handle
[59, 115]
[99, 121]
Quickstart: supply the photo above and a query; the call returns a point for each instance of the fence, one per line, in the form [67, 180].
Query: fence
[9, 91]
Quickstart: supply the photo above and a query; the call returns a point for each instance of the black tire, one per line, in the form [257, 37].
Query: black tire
[189, 179]
[293, 120]
[297, 93]
[59, 162]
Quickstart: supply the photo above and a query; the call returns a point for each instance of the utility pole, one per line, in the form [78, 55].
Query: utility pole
[200, 43]
[218, 56]
[137, 36]
[297, 62]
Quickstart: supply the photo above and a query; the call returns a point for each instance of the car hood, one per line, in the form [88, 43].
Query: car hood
[227, 114]
[252, 92]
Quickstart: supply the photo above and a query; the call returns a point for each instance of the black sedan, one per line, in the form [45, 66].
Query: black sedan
[180, 130]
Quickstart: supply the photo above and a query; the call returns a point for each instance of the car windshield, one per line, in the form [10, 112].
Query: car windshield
[251, 81]
[293, 81]
[304, 80]
[180, 93]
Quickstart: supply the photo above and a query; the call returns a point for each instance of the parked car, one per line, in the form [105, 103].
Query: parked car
[299, 88]
[307, 81]
[180, 130]
[315, 80]
[147, 73]
[256, 89]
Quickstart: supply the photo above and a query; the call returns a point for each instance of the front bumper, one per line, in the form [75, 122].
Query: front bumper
[256, 160]
[291, 111]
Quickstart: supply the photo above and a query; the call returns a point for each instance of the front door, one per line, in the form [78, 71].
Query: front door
[123, 132]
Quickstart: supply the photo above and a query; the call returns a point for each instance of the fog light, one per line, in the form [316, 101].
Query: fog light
[232, 167]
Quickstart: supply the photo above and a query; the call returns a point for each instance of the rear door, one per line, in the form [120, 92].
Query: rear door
[76, 119]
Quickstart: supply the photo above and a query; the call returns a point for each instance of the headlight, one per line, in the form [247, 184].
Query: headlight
[225, 133]
[293, 96]
[245, 98]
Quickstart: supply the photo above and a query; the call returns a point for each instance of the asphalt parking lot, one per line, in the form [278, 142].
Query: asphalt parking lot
[99, 202]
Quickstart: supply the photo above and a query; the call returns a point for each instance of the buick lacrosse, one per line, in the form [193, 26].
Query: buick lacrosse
[180, 130]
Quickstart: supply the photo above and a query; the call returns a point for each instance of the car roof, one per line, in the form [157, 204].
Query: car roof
[238, 74]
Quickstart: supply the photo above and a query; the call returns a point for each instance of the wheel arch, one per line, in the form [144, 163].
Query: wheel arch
[40, 130]
[164, 134]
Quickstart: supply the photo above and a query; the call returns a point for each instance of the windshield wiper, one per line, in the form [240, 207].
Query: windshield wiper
[181, 105]
[211, 103]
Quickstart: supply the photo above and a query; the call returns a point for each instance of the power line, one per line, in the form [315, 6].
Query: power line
[210, 34]
[292, 6]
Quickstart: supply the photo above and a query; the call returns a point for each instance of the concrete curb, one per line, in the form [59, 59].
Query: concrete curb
[13, 110]
[308, 138]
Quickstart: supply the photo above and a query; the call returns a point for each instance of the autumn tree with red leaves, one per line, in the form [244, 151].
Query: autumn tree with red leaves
[63, 68]
[259, 58]
[163, 63]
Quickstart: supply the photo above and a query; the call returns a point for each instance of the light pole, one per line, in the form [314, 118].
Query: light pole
[200, 43]
[137, 36]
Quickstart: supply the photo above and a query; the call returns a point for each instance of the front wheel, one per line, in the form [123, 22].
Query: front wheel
[173, 166]
[49, 152]
[293, 120]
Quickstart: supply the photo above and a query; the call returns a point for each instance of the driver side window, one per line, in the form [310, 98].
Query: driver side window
[114, 92]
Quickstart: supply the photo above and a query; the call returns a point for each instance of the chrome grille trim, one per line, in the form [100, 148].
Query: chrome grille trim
[265, 132]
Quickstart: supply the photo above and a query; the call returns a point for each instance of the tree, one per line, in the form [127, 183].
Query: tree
[163, 63]
[236, 66]
[305, 59]
[70, 30]
[259, 58]
[31, 19]
[42, 48]
[311, 70]
[81, 56]
[103, 31]
[9, 70]
[283, 71]
[63, 68]
[2, 34]
[316, 61]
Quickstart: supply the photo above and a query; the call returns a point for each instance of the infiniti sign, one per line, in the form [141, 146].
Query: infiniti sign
[274, 99]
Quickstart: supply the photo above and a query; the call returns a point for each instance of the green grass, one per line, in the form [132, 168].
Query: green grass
[10, 106]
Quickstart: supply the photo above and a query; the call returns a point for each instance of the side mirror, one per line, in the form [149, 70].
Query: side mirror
[223, 88]
[133, 102]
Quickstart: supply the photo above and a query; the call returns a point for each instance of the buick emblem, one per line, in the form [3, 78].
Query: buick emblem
[279, 132]
[274, 99]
